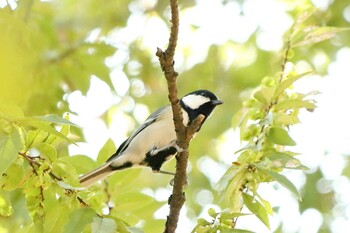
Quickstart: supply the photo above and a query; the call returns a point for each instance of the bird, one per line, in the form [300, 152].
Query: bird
[154, 142]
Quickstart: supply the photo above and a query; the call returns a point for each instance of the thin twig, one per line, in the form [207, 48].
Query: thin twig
[285, 60]
[82, 202]
[32, 162]
[108, 201]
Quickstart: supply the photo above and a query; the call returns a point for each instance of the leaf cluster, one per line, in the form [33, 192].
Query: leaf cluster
[48, 179]
[264, 123]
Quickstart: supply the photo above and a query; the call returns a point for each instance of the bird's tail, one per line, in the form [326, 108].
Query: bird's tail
[96, 175]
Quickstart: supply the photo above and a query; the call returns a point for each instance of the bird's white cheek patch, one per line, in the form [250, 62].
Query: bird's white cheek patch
[195, 101]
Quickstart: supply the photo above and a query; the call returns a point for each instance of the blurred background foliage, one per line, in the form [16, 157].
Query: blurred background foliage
[96, 60]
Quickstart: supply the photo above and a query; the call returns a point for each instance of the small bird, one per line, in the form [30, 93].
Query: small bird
[155, 141]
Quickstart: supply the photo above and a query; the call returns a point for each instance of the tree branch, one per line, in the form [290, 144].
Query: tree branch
[184, 135]
[32, 162]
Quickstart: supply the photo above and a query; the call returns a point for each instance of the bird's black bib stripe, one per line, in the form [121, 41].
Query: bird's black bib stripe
[155, 161]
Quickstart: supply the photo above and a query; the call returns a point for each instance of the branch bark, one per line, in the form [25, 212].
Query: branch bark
[184, 134]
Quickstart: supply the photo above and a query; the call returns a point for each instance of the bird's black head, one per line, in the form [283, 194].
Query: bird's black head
[199, 102]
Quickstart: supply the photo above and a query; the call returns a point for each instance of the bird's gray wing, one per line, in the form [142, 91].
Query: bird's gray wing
[150, 120]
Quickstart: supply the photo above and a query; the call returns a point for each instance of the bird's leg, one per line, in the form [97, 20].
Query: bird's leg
[171, 182]
[164, 172]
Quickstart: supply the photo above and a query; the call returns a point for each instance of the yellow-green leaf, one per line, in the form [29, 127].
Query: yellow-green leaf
[256, 208]
[106, 151]
[48, 151]
[318, 34]
[10, 111]
[287, 83]
[81, 163]
[280, 136]
[79, 219]
[226, 179]
[34, 137]
[283, 160]
[10, 144]
[5, 207]
[105, 225]
[52, 118]
[294, 104]
[56, 216]
[282, 118]
[13, 176]
[45, 126]
[264, 95]
[283, 181]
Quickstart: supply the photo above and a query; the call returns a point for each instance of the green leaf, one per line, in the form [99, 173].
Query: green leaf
[48, 151]
[267, 204]
[301, 19]
[52, 118]
[283, 181]
[283, 160]
[256, 208]
[45, 126]
[34, 137]
[135, 230]
[10, 111]
[5, 207]
[122, 226]
[13, 176]
[56, 217]
[106, 151]
[264, 95]
[81, 163]
[79, 219]
[34, 197]
[226, 179]
[287, 83]
[212, 213]
[294, 104]
[202, 222]
[318, 34]
[280, 136]
[125, 180]
[105, 225]
[10, 144]
[131, 200]
[282, 118]
[63, 169]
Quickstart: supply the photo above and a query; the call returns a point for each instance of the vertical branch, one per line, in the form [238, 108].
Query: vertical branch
[184, 134]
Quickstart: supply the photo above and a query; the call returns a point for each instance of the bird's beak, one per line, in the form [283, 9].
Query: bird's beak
[216, 102]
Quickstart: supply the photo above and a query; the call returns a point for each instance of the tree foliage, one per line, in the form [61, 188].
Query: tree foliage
[52, 49]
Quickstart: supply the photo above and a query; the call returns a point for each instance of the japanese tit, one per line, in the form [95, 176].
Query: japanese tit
[155, 141]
